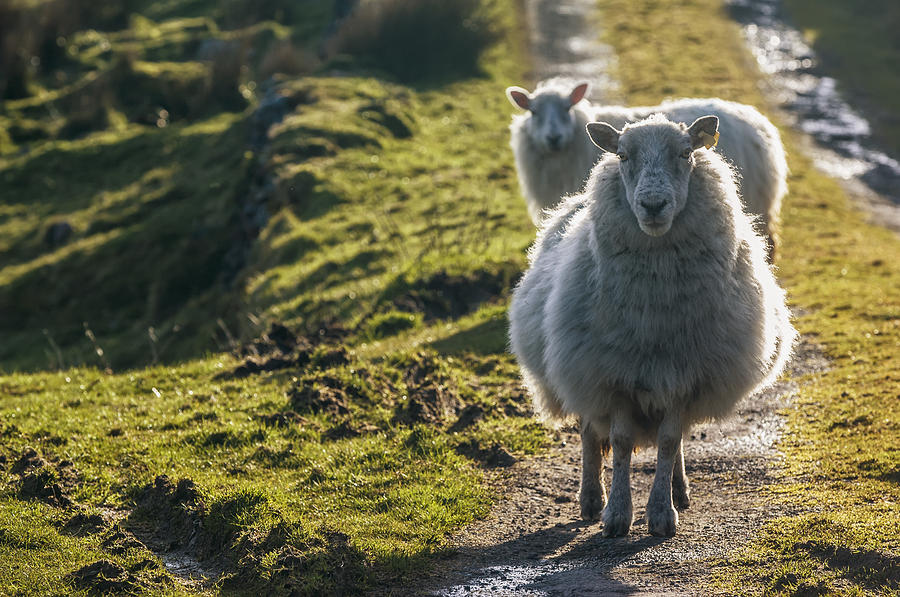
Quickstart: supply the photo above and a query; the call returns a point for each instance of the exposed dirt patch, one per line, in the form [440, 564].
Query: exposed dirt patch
[29, 460]
[281, 348]
[168, 520]
[47, 481]
[428, 403]
[469, 416]
[493, 456]
[82, 524]
[175, 512]
[105, 577]
[326, 394]
[346, 429]
[338, 560]
[119, 541]
[444, 295]
[431, 396]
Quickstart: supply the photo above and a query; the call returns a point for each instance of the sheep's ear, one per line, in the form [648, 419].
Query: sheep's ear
[704, 132]
[578, 93]
[519, 97]
[605, 136]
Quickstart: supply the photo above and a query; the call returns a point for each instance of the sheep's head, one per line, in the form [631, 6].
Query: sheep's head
[551, 124]
[655, 162]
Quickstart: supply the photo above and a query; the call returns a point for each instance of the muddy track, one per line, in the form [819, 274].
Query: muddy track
[534, 542]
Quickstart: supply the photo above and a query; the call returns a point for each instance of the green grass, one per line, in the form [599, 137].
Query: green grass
[858, 44]
[265, 463]
[394, 222]
[841, 453]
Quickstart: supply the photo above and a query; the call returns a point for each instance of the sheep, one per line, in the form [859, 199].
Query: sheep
[553, 155]
[750, 142]
[648, 306]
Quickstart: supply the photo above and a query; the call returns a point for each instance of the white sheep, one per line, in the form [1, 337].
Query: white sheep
[547, 172]
[552, 152]
[648, 307]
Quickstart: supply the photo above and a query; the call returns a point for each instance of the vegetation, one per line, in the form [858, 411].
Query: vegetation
[281, 355]
[841, 455]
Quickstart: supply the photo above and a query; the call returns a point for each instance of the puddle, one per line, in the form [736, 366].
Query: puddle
[186, 567]
[578, 54]
[814, 104]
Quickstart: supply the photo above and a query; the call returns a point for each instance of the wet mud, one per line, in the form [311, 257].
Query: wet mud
[814, 103]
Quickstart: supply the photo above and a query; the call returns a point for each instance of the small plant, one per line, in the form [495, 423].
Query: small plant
[416, 39]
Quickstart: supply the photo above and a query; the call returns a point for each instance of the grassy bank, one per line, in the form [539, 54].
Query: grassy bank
[841, 453]
[380, 221]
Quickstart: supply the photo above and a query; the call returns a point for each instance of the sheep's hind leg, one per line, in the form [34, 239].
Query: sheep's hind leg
[681, 490]
[619, 513]
[593, 492]
[662, 518]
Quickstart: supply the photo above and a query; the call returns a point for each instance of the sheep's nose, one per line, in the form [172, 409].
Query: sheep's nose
[653, 208]
[554, 140]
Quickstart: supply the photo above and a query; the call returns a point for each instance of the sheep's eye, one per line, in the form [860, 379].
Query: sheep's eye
[622, 156]
[685, 154]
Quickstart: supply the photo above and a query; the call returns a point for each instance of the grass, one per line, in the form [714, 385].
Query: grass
[277, 476]
[841, 455]
[389, 235]
[858, 45]
[278, 466]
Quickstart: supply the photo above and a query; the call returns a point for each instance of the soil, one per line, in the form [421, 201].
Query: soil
[105, 577]
[444, 295]
[48, 481]
[280, 348]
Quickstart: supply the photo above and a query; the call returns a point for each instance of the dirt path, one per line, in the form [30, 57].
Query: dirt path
[534, 542]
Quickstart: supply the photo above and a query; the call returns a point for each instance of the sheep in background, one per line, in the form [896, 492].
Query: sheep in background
[553, 154]
[749, 141]
[648, 307]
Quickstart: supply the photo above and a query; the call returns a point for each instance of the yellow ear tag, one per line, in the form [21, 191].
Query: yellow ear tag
[709, 140]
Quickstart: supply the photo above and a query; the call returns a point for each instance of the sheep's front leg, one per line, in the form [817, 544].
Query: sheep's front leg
[593, 492]
[618, 515]
[662, 518]
[681, 490]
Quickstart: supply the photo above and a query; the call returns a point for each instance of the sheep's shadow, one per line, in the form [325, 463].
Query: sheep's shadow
[540, 561]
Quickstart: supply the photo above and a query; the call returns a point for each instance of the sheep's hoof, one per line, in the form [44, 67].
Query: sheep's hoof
[616, 524]
[662, 521]
[592, 502]
[682, 498]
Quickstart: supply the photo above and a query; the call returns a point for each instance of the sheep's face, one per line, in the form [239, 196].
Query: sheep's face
[551, 125]
[655, 163]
